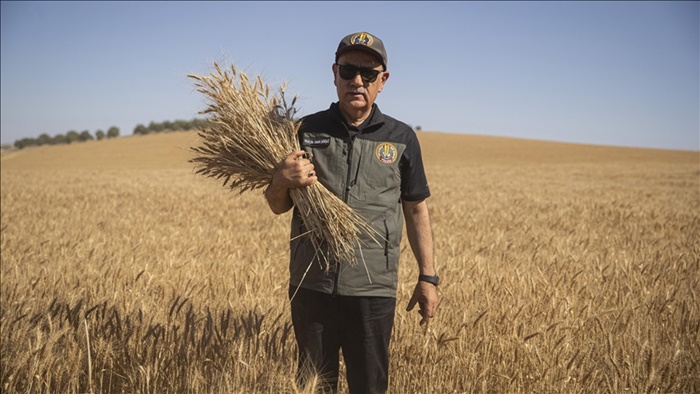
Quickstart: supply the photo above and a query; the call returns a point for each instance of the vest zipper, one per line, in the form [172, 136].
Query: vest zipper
[346, 195]
[349, 183]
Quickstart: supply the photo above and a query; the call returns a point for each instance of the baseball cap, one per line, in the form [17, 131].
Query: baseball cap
[364, 42]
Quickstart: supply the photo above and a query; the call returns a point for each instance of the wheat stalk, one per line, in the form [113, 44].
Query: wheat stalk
[89, 357]
[250, 132]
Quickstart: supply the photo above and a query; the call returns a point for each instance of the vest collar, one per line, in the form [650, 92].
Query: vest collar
[375, 119]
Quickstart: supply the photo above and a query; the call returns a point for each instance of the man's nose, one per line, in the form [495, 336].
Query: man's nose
[357, 80]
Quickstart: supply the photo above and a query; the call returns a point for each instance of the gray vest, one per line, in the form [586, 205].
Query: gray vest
[363, 172]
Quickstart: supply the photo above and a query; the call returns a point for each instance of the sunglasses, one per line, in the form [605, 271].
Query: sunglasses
[348, 71]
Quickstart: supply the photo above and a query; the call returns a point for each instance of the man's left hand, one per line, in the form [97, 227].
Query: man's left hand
[425, 295]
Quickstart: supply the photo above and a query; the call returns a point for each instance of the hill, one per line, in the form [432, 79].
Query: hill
[171, 150]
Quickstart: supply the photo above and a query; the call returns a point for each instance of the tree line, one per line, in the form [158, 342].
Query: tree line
[67, 138]
[177, 125]
[113, 132]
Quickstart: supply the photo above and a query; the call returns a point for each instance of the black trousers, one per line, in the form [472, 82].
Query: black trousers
[360, 326]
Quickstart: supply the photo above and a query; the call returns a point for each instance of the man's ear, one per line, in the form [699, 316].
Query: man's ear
[334, 67]
[385, 77]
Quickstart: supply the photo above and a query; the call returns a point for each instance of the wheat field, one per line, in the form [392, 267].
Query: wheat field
[566, 269]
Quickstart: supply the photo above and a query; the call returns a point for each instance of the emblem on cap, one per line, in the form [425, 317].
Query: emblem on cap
[386, 153]
[362, 39]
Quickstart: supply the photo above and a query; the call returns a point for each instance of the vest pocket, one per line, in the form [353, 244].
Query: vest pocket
[299, 237]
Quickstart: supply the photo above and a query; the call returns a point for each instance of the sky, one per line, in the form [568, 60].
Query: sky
[603, 73]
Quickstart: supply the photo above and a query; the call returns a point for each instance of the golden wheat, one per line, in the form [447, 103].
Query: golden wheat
[565, 268]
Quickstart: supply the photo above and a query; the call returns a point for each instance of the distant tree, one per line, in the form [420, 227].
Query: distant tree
[113, 132]
[72, 136]
[100, 135]
[85, 136]
[25, 142]
[418, 128]
[155, 127]
[140, 129]
[179, 125]
[44, 139]
[198, 123]
[59, 139]
[167, 126]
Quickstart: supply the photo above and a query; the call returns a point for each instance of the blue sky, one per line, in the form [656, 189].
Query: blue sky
[607, 73]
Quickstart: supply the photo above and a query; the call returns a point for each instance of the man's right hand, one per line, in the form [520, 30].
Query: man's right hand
[295, 171]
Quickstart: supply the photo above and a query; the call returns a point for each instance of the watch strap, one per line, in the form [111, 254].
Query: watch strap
[434, 279]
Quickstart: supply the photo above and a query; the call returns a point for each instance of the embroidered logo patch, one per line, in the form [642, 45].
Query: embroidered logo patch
[316, 141]
[386, 153]
[362, 39]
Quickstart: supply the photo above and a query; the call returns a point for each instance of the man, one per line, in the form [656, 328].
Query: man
[373, 163]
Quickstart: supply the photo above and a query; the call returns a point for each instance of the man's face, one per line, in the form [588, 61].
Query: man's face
[355, 95]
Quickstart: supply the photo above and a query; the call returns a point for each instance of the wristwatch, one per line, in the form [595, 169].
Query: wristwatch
[434, 279]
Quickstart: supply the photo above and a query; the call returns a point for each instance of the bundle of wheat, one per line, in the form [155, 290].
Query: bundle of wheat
[250, 132]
